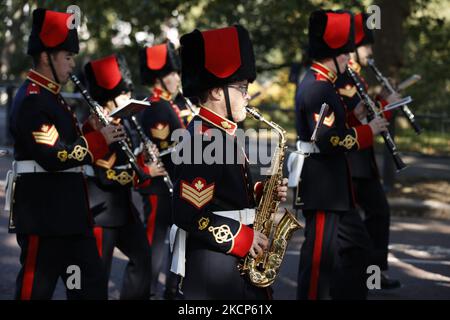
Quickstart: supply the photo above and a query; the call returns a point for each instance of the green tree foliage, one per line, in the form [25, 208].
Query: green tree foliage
[278, 29]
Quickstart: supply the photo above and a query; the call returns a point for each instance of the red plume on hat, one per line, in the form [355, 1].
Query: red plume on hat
[158, 61]
[363, 35]
[108, 78]
[331, 33]
[214, 58]
[50, 32]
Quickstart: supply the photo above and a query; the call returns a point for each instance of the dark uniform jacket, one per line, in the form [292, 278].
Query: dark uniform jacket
[215, 243]
[45, 130]
[325, 180]
[110, 189]
[362, 163]
[203, 188]
[158, 123]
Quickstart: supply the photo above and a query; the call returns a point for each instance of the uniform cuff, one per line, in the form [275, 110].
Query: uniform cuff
[383, 103]
[364, 136]
[352, 121]
[242, 241]
[87, 128]
[96, 145]
[145, 169]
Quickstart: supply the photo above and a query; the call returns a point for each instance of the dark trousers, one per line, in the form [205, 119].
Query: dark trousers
[158, 219]
[212, 275]
[45, 259]
[131, 240]
[371, 198]
[333, 258]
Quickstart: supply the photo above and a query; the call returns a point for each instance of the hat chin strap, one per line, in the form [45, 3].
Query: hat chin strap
[358, 59]
[52, 67]
[228, 104]
[338, 71]
[163, 85]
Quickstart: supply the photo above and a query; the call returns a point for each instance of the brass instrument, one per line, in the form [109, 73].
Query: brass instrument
[372, 113]
[148, 149]
[97, 111]
[387, 85]
[262, 270]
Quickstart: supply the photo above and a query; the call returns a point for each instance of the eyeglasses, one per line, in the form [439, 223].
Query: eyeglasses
[242, 88]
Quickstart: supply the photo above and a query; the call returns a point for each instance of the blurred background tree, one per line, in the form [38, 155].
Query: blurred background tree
[414, 38]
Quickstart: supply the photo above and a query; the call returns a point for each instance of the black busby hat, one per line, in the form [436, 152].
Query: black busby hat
[363, 35]
[331, 33]
[50, 32]
[108, 77]
[158, 61]
[214, 58]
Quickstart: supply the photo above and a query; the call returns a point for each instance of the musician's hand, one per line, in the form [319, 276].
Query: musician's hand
[155, 150]
[113, 133]
[389, 97]
[156, 170]
[282, 190]
[260, 243]
[394, 97]
[378, 125]
[360, 111]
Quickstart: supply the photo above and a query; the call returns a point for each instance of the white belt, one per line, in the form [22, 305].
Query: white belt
[296, 160]
[31, 166]
[295, 165]
[244, 216]
[89, 170]
[123, 167]
[9, 190]
[178, 237]
[307, 147]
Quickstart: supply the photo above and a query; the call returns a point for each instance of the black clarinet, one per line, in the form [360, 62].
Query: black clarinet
[96, 109]
[148, 149]
[387, 85]
[372, 113]
[188, 102]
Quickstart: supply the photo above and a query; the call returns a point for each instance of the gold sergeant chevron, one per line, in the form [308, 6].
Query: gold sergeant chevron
[47, 135]
[197, 193]
[329, 121]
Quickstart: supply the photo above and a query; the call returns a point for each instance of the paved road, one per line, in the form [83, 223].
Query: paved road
[420, 253]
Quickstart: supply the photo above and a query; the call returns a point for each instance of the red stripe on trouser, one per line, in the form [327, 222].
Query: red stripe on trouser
[153, 199]
[98, 233]
[30, 268]
[317, 253]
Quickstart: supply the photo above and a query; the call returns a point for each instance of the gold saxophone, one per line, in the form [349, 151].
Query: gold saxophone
[262, 270]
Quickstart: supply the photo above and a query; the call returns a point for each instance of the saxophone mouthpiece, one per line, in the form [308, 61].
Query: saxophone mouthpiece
[254, 113]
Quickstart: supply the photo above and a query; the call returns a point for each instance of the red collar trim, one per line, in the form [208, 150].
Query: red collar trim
[329, 74]
[217, 120]
[43, 81]
[160, 93]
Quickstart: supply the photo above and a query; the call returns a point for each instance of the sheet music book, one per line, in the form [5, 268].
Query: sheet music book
[134, 106]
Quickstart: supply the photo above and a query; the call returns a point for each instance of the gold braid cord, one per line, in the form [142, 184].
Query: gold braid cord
[221, 234]
[348, 142]
[78, 153]
[123, 178]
